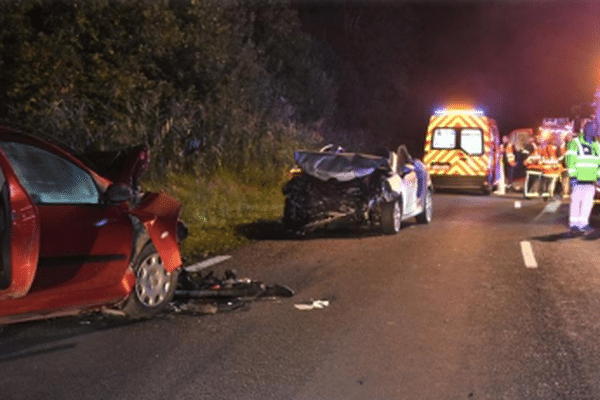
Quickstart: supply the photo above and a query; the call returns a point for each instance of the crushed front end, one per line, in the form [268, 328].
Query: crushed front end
[330, 187]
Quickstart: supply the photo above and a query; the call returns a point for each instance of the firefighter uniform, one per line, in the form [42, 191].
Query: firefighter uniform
[534, 171]
[551, 169]
[509, 162]
[582, 160]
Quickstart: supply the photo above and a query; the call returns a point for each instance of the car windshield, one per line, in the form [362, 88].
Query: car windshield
[49, 178]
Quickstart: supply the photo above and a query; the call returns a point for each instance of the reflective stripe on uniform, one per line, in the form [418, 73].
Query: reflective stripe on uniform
[579, 146]
[588, 157]
[586, 165]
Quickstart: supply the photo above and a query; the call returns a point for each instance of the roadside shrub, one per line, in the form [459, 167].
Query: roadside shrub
[209, 85]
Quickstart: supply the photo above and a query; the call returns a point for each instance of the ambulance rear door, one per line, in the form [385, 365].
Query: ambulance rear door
[458, 151]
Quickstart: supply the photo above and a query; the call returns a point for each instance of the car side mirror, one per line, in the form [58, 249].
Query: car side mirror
[117, 193]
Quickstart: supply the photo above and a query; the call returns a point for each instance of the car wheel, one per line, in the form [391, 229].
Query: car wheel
[154, 286]
[425, 216]
[391, 217]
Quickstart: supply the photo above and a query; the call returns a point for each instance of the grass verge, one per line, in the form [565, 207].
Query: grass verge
[217, 209]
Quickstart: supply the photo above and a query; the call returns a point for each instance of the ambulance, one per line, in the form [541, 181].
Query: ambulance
[462, 150]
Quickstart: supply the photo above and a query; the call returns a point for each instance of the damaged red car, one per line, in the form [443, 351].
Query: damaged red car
[75, 234]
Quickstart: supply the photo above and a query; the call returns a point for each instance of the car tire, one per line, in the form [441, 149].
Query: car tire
[391, 217]
[154, 286]
[425, 216]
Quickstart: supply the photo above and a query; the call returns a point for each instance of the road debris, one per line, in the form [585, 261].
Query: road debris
[111, 312]
[315, 304]
[199, 293]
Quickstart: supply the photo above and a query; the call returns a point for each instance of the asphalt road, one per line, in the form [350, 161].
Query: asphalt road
[447, 310]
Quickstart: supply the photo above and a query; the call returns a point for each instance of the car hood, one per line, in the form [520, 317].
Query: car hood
[339, 166]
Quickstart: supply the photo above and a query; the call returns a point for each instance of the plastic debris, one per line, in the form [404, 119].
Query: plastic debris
[199, 293]
[201, 307]
[315, 304]
[111, 312]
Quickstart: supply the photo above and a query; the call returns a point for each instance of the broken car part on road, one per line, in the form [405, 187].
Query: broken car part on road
[206, 293]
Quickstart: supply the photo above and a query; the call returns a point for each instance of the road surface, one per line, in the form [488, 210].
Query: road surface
[489, 301]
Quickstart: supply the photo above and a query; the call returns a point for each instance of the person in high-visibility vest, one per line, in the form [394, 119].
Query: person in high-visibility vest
[508, 150]
[582, 160]
[564, 174]
[534, 170]
[551, 169]
[565, 179]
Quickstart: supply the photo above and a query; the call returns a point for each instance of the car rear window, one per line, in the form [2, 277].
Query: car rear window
[471, 141]
[49, 178]
[444, 138]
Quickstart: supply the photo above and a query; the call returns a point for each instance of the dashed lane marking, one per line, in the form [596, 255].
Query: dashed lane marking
[528, 255]
[552, 207]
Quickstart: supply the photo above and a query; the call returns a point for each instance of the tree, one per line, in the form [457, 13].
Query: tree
[238, 77]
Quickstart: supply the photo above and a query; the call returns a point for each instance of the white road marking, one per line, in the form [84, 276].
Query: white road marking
[206, 263]
[552, 207]
[528, 255]
[517, 204]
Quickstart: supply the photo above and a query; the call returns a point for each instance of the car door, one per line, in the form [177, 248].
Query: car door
[85, 245]
[19, 235]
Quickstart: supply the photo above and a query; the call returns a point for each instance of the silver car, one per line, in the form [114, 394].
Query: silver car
[330, 186]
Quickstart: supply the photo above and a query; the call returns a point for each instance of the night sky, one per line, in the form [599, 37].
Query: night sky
[520, 61]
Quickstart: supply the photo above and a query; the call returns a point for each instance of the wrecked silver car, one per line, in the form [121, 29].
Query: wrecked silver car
[363, 189]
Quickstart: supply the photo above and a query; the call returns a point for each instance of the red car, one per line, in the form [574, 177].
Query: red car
[72, 239]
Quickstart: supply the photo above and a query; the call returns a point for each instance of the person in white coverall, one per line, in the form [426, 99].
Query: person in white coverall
[582, 160]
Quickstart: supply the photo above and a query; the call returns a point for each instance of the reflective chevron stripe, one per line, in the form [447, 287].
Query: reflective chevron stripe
[456, 162]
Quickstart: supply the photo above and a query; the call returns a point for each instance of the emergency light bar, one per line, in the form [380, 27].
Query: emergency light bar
[443, 111]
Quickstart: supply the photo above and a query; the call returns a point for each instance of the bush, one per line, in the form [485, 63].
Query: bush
[221, 82]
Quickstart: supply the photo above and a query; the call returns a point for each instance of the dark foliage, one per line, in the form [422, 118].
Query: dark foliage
[206, 84]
